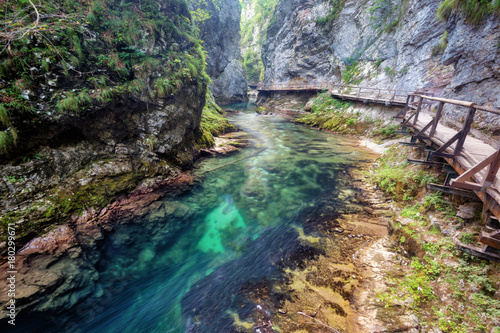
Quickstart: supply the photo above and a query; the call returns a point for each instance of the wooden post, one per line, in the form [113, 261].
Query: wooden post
[359, 92]
[436, 119]
[492, 171]
[465, 130]
[418, 109]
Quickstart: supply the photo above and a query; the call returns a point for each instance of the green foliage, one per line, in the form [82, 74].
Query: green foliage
[415, 212]
[467, 238]
[441, 46]
[253, 65]
[350, 74]
[398, 178]
[212, 123]
[253, 30]
[74, 102]
[475, 11]
[83, 38]
[336, 9]
[381, 15]
[386, 131]
[331, 114]
[432, 248]
[390, 72]
[436, 201]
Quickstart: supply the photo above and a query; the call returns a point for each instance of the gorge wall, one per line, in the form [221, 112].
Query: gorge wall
[398, 44]
[219, 26]
[96, 113]
[90, 112]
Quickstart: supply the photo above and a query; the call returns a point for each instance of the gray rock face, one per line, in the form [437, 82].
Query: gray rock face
[221, 36]
[398, 46]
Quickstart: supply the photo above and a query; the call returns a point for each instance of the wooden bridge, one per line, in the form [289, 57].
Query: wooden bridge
[389, 97]
[475, 162]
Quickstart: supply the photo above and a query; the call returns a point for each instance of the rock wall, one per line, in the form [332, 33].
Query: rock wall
[114, 121]
[397, 44]
[95, 133]
[221, 36]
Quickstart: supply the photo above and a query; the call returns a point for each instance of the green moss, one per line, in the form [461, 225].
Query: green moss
[212, 123]
[441, 46]
[331, 114]
[61, 204]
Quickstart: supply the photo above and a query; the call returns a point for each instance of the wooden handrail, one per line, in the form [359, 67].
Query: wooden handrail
[450, 101]
[394, 93]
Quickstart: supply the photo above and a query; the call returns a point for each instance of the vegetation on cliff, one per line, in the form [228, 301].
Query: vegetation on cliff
[334, 115]
[475, 11]
[213, 123]
[64, 61]
[68, 57]
[254, 21]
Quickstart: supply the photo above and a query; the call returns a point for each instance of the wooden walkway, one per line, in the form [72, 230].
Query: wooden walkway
[476, 162]
[388, 97]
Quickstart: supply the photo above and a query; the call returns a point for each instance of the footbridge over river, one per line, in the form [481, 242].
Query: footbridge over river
[475, 163]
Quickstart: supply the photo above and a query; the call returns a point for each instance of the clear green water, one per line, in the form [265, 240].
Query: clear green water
[180, 268]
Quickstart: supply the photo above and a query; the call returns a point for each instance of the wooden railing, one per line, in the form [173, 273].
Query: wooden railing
[492, 161]
[377, 95]
[294, 86]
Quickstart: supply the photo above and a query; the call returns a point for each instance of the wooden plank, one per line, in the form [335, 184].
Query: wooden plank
[452, 190]
[487, 239]
[476, 251]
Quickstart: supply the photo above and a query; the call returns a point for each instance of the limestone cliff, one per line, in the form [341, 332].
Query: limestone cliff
[219, 26]
[398, 44]
[93, 107]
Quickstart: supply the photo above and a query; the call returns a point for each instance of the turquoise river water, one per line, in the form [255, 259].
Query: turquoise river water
[181, 268]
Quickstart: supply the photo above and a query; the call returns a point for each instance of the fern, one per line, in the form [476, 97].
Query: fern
[8, 139]
[4, 115]
[475, 11]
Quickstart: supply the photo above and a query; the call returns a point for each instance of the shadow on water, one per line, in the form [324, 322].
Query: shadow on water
[181, 267]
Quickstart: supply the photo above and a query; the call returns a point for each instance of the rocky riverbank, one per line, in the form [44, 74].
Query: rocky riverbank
[390, 264]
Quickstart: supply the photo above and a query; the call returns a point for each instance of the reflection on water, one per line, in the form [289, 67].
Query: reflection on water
[186, 260]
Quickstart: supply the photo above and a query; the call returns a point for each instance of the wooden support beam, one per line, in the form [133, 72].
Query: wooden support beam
[430, 163]
[492, 170]
[420, 135]
[413, 144]
[452, 190]
[465, 130]
[442, 149]
[490, 239]
[436, 119]
[468, 174]
[486, 254]
[443, 155]
[493, 163]
[419, 107]
[467, 185]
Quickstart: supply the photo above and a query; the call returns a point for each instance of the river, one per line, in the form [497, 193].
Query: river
[181, 268]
